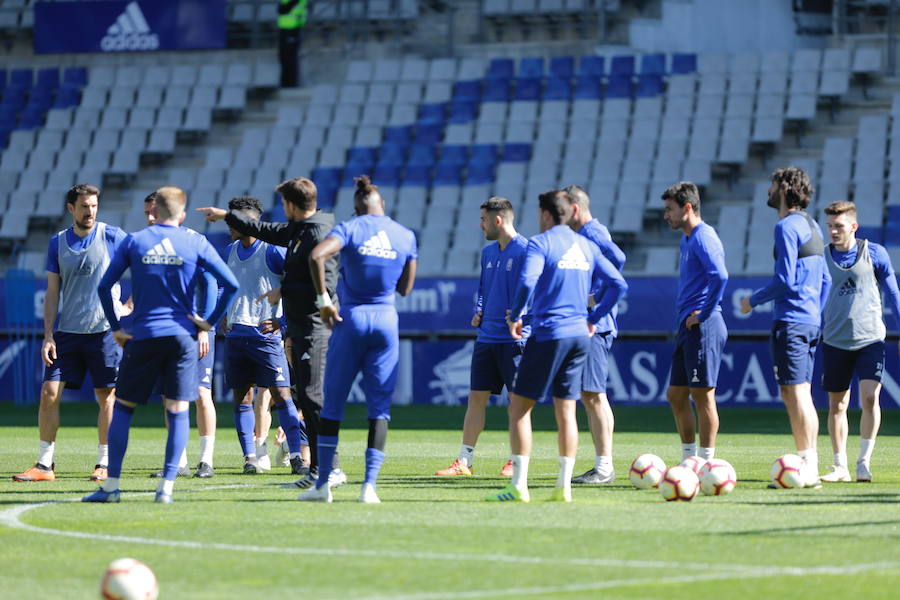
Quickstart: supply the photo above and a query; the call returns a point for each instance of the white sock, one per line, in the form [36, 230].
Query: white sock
[182, 462]
[707, 453]
[811, 457]
[865, 450]
[467, 455]
[689, 450]
[603, 464]
[166, 486]
[840, 459]
[111, 484]
[45, 457]
[260, 442]
[566, 467]
[207, 444]
[102, 454]
[520, 471]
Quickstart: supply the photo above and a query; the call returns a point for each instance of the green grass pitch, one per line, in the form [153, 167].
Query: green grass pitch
[239, 536]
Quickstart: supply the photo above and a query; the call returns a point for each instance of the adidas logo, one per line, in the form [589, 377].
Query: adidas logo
[280, 376]
[207, 377]
[848, 288]
[574, 259]
[129, 32]
[162, 253]
[379, 246]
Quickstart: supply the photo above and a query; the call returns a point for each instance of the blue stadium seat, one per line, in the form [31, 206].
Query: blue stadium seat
[501, 68]
[484, 154]
[454, 155]
[496, 90]
[41, 98]
[67, 97]
[587, 87]
[558, 88]
[467, 90]
[527, 88]
[618, 86]
[621, 65]
[429, 134]
[448, 175]
[48, 78]
[480, 173]
[2, 79]
[463, 112]
[391, 155]
[8, 118]
[76, 77]
[401, 134]
[531, 66]
[892, 229]
[32, 118]
[592, 65]
[4, 138]
[21, 78]
[516, 152]
[417, 176]
[432, 113]
[653, 64]
[421, 155]
[386, 176]
[329, 177]
[352, 171]
[873, 234]
[562, 66]
[14, 98]
[649, 86]
[684, 63]
[361, 156]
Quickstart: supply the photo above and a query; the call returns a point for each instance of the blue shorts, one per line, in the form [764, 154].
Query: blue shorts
[698, 353]
[596, 366]
[253, 360]
[494, 365]
[171, 360]
[839, 366]
[79, 353]
[367, 340]
[552, 364]
[793, 347]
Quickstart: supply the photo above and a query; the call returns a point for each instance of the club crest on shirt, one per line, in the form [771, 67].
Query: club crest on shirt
[509, 262]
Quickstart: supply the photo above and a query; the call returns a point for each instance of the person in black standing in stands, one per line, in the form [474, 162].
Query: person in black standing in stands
[291, 19]
[305, 228]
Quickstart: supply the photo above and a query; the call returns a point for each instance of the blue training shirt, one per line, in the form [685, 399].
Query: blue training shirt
[374, 252]
[275, 261]
[701, 275]
[114, 237]
[499, 275]
[165, 264]
[560, 269]
[884, 272]
[799, 286]
[595, 231]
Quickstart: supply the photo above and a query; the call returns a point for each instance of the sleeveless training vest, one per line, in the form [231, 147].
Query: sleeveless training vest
[80, 272]
[853, 309]
[254, 279]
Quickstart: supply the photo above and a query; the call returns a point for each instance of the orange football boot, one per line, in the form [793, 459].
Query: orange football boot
[99, 473]
[507, 470]
[37, 473]
[456, 469]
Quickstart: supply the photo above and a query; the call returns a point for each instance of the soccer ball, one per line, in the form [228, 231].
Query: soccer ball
[717, 478]
[129, 579]
[694, 463]
[679, 483]
[787, 471]
[646, 471]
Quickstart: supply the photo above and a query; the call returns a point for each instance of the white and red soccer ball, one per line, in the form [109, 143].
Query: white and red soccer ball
[646, 471]
[717, 477]
[788, 471]
[694, 463]
[679, 484]
[129, 579]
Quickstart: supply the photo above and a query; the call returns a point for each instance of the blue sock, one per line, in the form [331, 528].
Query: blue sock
[374, 458]
[327, 449]
[304, 439]
[117, 438]
[179, 426]
[245, 422]
[290, 423]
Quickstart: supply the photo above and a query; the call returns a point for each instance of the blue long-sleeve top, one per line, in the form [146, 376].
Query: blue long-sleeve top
[599, 234]
[165, 264]
[799, 286]
[499, 276]
[701, 275]
[560, 269]
[884, 273]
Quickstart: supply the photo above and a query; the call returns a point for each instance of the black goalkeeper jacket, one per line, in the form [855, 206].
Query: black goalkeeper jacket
[299, 237]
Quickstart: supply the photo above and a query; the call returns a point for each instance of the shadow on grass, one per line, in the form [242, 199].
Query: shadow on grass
[814, 528]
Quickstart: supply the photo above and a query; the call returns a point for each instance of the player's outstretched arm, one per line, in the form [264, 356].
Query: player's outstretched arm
[324, 250]
[279, 234]
[212, 213]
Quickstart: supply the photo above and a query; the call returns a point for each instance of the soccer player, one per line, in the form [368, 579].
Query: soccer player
[596, 367]
[80, 340]
[254, 347]
[306, 227]
[701, 329]
[378, 257]
[496, 355]
[853, 334]
[798, 288]
[204, 302]
[165, 260]
[560, 269]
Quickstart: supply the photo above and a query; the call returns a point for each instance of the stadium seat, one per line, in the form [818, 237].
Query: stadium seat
[501, 68]
[683, 64]
[562, 67]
